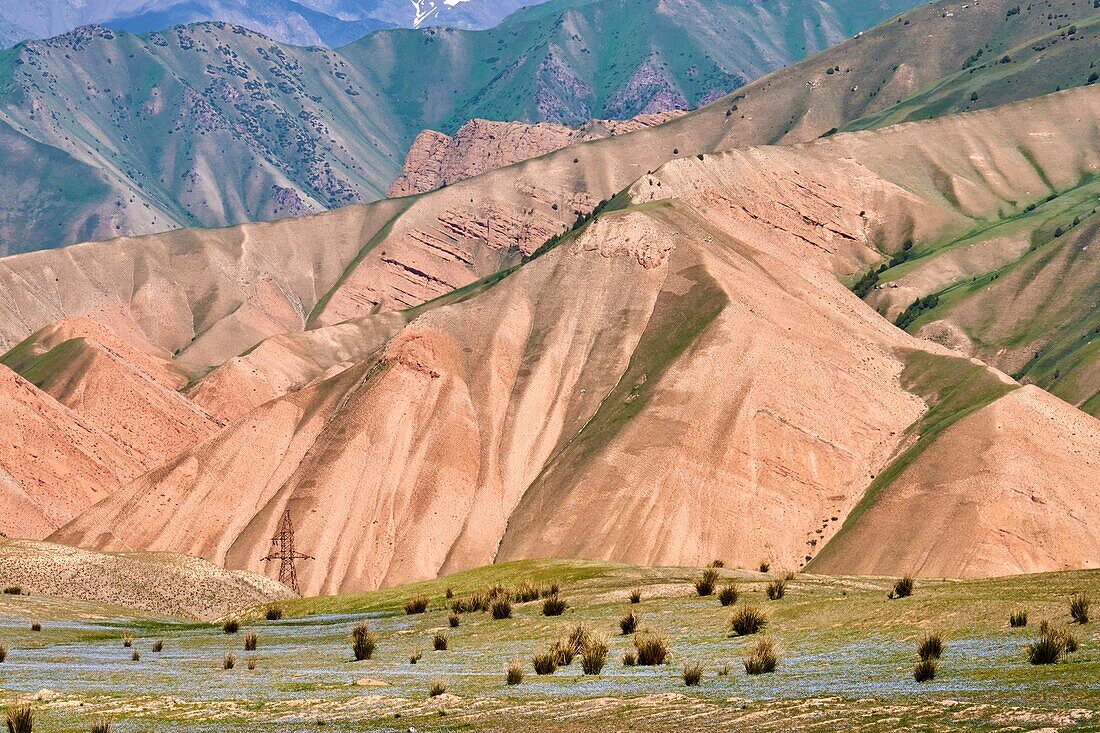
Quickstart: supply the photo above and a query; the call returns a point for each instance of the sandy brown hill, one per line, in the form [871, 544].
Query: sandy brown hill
[149, 421]
[1009, 489]
[157, 583]
[289, 362]
[692, 365]
[395, 254]
[140, 354]
[436, 159]
[53, 463]
[204, 295]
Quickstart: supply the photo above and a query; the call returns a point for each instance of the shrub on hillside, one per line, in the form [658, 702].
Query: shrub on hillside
[514, 673]
[363, 642]
[1018, 619]
[229, 662]
[545, 662]
[594, 655]
[762, 658]
[250, 642]
[416, 604]
[903, 587]
[553, 606]
[728, 595]
[636, 595]
[437, 688]
[692, 674]
[652, 648]
[776, 589]
[439, 642]
[925, 670]
[501, 608]
[231, 626]
[629, 623]
[20, 719]
[747, 620]
[930, 646]
[1079, 607]
[705, 585]
[273, 613]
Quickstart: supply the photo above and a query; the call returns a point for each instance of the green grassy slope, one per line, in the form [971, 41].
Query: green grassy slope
[1034, 52]
[846, 655]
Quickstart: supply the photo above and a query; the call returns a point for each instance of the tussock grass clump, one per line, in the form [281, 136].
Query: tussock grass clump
[725, 670]
[762, 658]
[553, 606]
[629, 623]
[100, 726]
[13, 590]
[20, 719]
[454, 620]
[476, 602]
[3, 654]
[903, 588]
[765, 566]
[636, 595]
[136, 656]
[273, 613]
[1018, 619]
[36, 626]
[1079, 607]
[652, 648]
[594, 655]
[776, 589]
[252, 663]
[563, 652]
[158, 646]
[416, 656]
[525, 592]
[363, 642]
[415, 605]
[930, 646]
[717, 564]
[501, 608]
[925, 670]
[630, 659]
[449, 593]
[728, 595]
[1049, 647]
[231, 626]
[127, 641]
[513, 675]
[230, 661]
[748, 620]
[705, 585]
[439, 642]
[545, 662]
[551, 590]
[437, 688]
[692, 674]
[250, 642]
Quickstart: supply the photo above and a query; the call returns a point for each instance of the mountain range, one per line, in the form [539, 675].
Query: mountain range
[109, 133]
[840, 319]
[329, 23]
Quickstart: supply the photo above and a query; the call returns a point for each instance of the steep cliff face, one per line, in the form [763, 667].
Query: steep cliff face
[436, 160]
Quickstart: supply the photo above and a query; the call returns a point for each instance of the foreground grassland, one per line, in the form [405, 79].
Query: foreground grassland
[847, 653]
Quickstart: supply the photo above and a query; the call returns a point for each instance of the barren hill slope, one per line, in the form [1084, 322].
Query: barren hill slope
[691, 364]
[53, 464]
[396, 254]
[157, 583]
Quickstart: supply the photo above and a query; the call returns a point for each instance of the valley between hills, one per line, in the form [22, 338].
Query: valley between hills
[823, 350]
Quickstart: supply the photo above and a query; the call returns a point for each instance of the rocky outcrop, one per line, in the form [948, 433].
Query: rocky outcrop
[479, 146]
